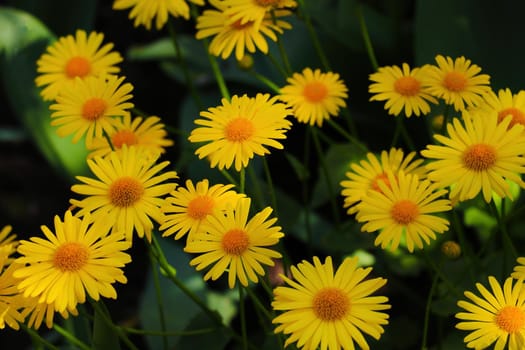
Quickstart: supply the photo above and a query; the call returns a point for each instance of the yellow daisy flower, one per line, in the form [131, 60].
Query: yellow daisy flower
[148, 133]
[128, 190]
[494, 316]
[78, 257]
[70, 57]
[370, 171]
[240, 128]
[144, 12]
[479, 154]
[235, 244]
[314, 96]
[519, 270]
[328, 310]
[8, 245]
[402, 89]
[228, 35]
[406, 209]
[255, 11]
[35, 313]
[88, 108]
[11, 300]
[457, 82]
[187, 208]
[505, 103]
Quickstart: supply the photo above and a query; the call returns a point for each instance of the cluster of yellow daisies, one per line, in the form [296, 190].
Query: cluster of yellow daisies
[131, 192]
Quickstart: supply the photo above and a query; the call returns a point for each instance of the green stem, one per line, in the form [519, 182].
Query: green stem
[313, 36]
[366, 38]
[38, 341]
[70, 338]
[451, 286]
[100, 308]
[259, 304]
[270, 84]
[402, 131]
[243, 317]
[219, 78]
[306, 193]
[427, 311]
[349, 137]
[168, 334]
[458, 228]
[242, 180]
[170, 274]
[158, 293]
[184, 66]
[228, 177]
[269, 180]
[326, 173]
[258, 194]
[508, 245]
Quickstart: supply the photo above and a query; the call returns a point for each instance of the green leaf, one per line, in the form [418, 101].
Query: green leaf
[23, 38]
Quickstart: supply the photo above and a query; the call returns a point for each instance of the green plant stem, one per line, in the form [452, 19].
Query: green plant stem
[103, 312]
[269, 180]
[242, 180]
[38, 341]
[243, 317]
[70, 338]
[258, 194]
[326, 173]
[270, 84]
[346, 135]
[313, 36]
[168, 334]
[170, 274]
[508, 245]
[441, 275]
[276, 64]
[184, 66]
[306, 194]
[402, 131]
[158, 294]
[458, 227]
[219, 78]
[230, 178]
[427, 310]
[259, 305]
[366, 39]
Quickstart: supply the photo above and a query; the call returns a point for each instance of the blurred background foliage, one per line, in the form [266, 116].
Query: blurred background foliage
[37, 167]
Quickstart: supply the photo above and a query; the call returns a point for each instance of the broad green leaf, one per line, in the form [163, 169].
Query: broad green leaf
[23, 38]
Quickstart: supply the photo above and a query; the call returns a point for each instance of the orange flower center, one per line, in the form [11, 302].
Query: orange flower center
[407, 86]
[235, 242]
[330, 304]
[518, 117]
[124, 192]
[455, 81]
[267, 3]
[238, 26]
[380, 178]
[315, 91]
[239, 130]
[404, 212]
[94, 108]
[511, 319]
[479, 157]
[70, 257]
[200, 207]
[124, 137]
[77, 67]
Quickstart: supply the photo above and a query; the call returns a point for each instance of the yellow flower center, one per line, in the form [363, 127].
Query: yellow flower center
[404, 212]
[239, 130]
[455, 81]
[511, 319]
[124, 192]
[330, 304]
[407, 86]
[94, 108]
[479, 157]
[315, 91]
[124, 137]
[518, 117]
[77, 67]
[200, 207]
[383, 178]
[235, 242]
[70, 257]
